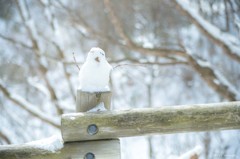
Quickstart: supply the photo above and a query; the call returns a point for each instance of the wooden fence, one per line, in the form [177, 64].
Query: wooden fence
[95, 135]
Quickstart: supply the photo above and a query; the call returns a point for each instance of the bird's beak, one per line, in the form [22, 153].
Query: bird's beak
[97, 59]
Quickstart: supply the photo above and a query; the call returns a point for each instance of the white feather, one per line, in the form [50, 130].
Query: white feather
[95, 73]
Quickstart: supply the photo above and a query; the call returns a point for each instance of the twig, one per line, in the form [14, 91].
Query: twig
[15, 41]
[142, 65]
[145, 64]
[5, 138]
[75, 61]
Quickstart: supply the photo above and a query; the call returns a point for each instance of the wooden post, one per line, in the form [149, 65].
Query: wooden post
[86, 101]
[102, 149]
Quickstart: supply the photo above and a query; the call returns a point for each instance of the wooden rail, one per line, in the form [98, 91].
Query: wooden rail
[74, 150]
[162, 120]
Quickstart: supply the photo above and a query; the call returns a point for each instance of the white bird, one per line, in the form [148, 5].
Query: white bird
[95, 73]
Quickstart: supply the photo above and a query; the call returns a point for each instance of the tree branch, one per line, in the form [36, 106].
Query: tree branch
[11, 40]
[75, 61]
[5, 138]
[59, 50]
[36, 50]
[213, 78]
[229, 43]
[66, 74]
[207, 73]
[161, 52]
[29, 107]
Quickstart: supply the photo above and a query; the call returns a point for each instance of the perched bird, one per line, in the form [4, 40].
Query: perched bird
[95, 73]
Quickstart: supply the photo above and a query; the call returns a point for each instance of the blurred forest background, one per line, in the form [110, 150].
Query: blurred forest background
[179, 51]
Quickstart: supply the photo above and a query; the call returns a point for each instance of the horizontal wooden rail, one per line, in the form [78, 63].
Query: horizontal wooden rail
[46, 150]
[145, 121]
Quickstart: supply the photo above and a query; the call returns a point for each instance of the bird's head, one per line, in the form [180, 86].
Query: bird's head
[96, 54]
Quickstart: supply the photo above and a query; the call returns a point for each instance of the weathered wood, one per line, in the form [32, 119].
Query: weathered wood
[86, 101]
[162, 120]
[102, 149]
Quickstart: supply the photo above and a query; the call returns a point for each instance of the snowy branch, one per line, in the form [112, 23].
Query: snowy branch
[51, 17]
[207, 73]
[161, 52]
[66, 74]
[213, 78]
[80, 22]
[31, 30]
[13, 41]
[228, 42]
[29, 107]
[5, 138]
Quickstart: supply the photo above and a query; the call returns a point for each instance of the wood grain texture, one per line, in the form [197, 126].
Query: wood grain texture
[145, 121]
[102, 149]
[86, 101]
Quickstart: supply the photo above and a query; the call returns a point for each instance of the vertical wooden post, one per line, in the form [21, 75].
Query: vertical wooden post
[98, 149]
[87, 101]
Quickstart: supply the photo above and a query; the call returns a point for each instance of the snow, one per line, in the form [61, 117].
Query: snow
[39, 86]
[82, 29]
[227, 83]
[45, 2]
[237, 21]
[216, 81]
[145, 40]
[196, 151]
[220, 78]
[99, 108]
[95, 73]
[147, 44]
[203, 63]
[28, 20]
[72, 118]
[31, 24]
[48, 14]
[148, 80]
[23, 9]
[92, 88]
[51, 144]
[225, 38]
[187, 155]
